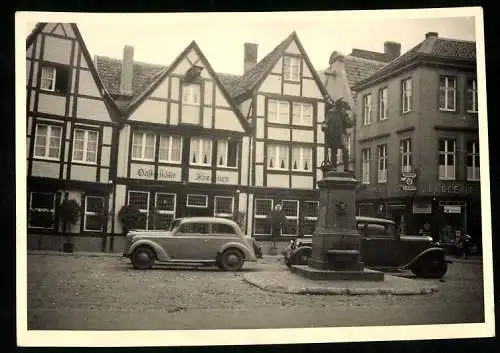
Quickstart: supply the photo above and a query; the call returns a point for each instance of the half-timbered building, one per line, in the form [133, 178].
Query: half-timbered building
[71, 125]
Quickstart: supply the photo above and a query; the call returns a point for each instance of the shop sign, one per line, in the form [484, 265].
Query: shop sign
[452, 209]
[408, 181]
[200, 176]
[226, 177]
[422, 208]
[141, 171]
[169, 173]
[449, 188]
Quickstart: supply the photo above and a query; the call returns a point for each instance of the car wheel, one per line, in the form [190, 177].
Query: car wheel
[143, 258]
[231, 260]
[300, 257]
[432, 267]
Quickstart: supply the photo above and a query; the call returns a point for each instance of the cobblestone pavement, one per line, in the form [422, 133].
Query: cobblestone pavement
[96, 293]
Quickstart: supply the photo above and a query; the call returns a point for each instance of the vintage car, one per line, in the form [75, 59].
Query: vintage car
[192, 240]
[383, 248]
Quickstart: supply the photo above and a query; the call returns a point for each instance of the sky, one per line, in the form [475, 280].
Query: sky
[159, 38]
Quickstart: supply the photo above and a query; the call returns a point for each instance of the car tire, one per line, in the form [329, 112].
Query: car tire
[143, 258]
[231, 260]
[431, 267]
[300, 257]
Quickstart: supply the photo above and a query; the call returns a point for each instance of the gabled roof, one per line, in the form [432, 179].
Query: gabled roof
[430, 48]
[252, 79]
[142, 95]
[371, 55]
[108, 101]
[358, 69]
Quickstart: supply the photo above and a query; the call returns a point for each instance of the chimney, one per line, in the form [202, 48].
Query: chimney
[250, 56]
[392, 49]
[127, 70]
[431, 35]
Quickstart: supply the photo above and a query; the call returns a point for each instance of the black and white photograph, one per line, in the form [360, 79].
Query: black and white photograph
[188, 179]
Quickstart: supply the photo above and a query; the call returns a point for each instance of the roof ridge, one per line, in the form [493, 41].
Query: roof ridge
[369, 60]
[458, 40]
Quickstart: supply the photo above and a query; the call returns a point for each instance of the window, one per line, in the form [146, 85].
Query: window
[406, 157]
[472, 160]
[143, 146]
[367, 109]
[263, 208]
[221, 228]
[302, 114]
[301, 158]
[94, 211]
[277, 157]
[223, 206]
[48, 141]
[447, 159]
[193, 227]
[191, 94]
[197, 201]
[291, 210]
[382, 163]
[471, 96]
[170, 149]
[383, 112]
[278, 112]
[42, 210]
[406, 95]
[310, 210]
[365, 159]
[201, 151]
[447, 93]
[55, 79]
[140, 199]
[227, 153]
[165, 210]
[291, 68]
[85, 146]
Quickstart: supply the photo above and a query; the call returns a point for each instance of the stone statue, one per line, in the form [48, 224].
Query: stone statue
[335, 127]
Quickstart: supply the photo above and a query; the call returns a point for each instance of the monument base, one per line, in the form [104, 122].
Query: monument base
[319, 274]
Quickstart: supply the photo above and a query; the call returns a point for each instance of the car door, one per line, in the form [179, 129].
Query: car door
[221, 233]
[376, 244]
[189, 240]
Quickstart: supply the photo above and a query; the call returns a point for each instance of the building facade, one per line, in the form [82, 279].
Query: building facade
[71, 127]
[418, 141]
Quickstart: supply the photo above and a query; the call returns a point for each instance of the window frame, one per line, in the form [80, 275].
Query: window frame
[447, 153]
[474, 153]
[301, 114]
[200, 139]
[291, 218]
[189, 88]
[88, 213]
[170, 143]
[257, 216]
[308, 218]
[407, 95]
[227, 149]
[383, 104]
[367, 109]
[223, 215]
[164, 212]
[141, 210]
[143, 146]
[301, 159]
[444, 90]
[277, 146]
[472, 91]
[86, 132]
[52, 79]
[382, 158]
[288, 61]
[52, 211]
[196, 206]
[365, 166]
[277, 118]
[48, 138]
[408, 153]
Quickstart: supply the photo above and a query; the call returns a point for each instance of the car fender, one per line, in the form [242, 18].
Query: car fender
[249, 253]
[424, 253]
[161, 254]
[299, 249]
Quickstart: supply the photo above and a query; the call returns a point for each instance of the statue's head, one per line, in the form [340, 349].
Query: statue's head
[277, 207]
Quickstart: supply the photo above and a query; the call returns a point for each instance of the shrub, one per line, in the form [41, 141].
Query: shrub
[128, 217]
[69, 213]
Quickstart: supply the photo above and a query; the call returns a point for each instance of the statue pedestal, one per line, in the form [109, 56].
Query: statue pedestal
[336, 243]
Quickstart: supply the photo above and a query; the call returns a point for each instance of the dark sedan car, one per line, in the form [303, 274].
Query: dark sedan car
[383, 247]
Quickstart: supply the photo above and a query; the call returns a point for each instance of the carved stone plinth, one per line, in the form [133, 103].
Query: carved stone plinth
[336, 242]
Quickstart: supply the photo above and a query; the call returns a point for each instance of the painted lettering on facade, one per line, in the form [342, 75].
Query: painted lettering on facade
[172, 174]
[449, 188]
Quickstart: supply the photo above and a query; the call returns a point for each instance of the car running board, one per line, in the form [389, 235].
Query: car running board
[188, 262]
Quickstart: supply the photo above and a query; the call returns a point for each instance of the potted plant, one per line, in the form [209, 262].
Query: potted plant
[128, 217]
[69, 214]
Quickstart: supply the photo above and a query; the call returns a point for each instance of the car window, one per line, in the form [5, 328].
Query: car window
[195, 228]
[221, 228]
